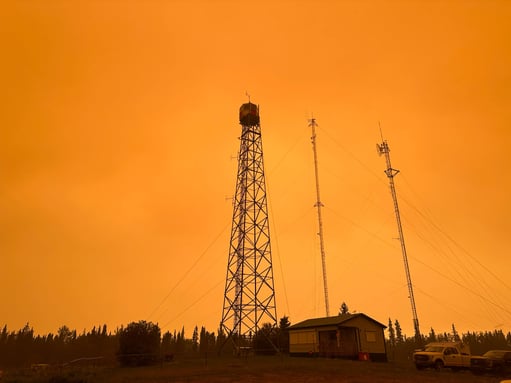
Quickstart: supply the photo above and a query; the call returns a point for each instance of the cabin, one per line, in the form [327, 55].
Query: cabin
[350, 336]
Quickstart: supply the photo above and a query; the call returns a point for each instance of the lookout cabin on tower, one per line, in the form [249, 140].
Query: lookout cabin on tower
[249, 114]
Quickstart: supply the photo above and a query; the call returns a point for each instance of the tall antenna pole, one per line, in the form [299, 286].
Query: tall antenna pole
[383, 148]
[319, 205]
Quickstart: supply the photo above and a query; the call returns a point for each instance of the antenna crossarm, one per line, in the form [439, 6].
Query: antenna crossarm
[391, 172]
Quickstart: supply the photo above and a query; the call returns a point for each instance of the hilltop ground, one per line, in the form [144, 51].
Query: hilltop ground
[250, 369]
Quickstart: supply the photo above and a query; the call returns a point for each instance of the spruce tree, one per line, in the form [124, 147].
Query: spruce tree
[195, 339]
[455, 334]
[432, 335]
[399, 334]
[203, 340]
[344, 309]
[392, 334]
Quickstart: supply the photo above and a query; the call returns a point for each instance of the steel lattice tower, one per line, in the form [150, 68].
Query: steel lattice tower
[383, 148]
[319, 205]
[249, 299]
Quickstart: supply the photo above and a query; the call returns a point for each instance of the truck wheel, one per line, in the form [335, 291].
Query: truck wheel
[439, 364]
[419, 367]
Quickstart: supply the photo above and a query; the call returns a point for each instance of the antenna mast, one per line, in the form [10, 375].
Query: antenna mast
[390, 172]
[319, 205]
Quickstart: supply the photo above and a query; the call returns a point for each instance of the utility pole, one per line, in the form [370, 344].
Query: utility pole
[383, 148]
[319, 205]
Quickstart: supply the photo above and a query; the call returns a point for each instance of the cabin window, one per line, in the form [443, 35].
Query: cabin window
[371, 336]
[305, 337]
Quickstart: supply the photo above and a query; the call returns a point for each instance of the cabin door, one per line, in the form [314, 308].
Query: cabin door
[341, 343]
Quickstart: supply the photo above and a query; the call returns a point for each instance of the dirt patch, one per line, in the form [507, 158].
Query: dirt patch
[294, 370]
[268, 369]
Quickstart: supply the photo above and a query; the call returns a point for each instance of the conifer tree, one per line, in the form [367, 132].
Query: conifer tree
[195, 339]
[283, 335]
[220, 340]
[455, 334]
[399, 333]
[392, 334]
[166, 344]
[344, 309]
[203, 340]
[432, 335]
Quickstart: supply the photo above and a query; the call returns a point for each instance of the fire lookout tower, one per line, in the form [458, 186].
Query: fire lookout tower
[249, 298]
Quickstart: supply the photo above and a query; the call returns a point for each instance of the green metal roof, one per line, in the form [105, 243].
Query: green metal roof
[332, 321]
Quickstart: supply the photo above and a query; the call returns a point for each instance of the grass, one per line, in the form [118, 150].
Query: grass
[281, 369]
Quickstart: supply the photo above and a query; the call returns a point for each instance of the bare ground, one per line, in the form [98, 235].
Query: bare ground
[260, 370]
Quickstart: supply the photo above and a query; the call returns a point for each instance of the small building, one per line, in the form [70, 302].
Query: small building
[351, 336]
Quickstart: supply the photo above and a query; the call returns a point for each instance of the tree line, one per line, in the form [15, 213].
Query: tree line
[138, 343]
[401, 347]
[23, 348]
[142, 343]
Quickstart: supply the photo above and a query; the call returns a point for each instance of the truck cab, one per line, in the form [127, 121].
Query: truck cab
[454, 355]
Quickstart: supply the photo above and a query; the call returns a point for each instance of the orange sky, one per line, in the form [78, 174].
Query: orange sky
[118, 132]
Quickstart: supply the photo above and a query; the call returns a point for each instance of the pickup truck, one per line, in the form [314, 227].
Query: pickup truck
[454, 355]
